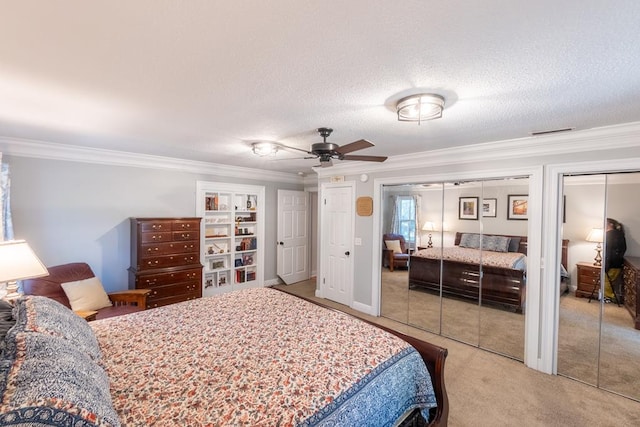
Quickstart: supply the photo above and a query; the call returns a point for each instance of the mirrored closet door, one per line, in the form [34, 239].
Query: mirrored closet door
[463, 279]
[599, 332]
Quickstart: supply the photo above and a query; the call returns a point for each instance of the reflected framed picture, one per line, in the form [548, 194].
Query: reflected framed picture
[468, 208]
[518, 205]
[489, 208]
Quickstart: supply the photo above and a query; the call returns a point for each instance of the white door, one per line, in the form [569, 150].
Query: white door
[293, 236]
[337, 237]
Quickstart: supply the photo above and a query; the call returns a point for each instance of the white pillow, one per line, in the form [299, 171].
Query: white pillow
[393, 245]
[86, 295]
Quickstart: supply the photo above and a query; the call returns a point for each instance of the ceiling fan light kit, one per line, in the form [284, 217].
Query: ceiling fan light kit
[420, 107]
[264, 148]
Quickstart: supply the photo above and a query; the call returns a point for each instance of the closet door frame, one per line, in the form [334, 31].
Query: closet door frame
[547, 360]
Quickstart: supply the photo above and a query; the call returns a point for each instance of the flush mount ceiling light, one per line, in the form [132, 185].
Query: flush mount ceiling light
[264, 148]
[421, 107]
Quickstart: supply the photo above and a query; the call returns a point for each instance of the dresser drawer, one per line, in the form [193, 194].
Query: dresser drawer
[156, 237]
[155, 225]
[588, 278]
[185, 235]
[186, 224]
[148, 281]
[160, 302]
[165, 261]
[149, 250]
[177, 289]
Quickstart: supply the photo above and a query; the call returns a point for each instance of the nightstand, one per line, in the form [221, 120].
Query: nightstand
[588, 280]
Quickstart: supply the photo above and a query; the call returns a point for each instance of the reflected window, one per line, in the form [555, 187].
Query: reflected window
[406, 218]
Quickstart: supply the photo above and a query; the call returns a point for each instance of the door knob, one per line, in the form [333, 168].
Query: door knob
[281, 243]
[347, 253]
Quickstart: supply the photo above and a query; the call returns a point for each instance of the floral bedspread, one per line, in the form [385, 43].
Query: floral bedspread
[257, 357]
[513, 260]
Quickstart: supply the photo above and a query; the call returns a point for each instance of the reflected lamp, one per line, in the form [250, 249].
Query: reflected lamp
[596, 236]
[429, 226]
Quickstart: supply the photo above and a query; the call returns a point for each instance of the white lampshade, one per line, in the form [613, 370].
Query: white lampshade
[18, 261]
[429, 226]
[595, 235]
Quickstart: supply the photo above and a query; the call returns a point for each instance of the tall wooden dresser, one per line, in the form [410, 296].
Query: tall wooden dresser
[165, 257]
[631, 275]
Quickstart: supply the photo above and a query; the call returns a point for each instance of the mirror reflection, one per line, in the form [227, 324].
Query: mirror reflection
[465, 277]
[598, 333]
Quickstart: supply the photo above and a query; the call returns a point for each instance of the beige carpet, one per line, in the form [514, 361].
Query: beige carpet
[486, 389]
[618, 368]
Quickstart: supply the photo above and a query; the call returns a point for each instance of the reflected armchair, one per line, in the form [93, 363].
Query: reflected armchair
[123, 302]
[395, 253]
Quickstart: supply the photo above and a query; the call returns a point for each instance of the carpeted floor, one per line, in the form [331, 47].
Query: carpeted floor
[486, 389]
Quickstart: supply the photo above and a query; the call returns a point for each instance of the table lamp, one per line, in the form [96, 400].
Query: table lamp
[429, 226]
[596, 235]
[17, 262]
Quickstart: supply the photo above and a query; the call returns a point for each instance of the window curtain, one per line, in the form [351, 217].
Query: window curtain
[394, 224]
[6, 231]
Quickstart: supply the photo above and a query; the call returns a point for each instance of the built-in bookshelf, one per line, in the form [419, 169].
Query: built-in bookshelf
[233, 236]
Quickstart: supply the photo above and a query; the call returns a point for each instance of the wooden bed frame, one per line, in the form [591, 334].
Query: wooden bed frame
[500, 286]
[434, 358]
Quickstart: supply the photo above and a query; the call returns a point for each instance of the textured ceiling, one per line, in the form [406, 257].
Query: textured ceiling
[202, 79]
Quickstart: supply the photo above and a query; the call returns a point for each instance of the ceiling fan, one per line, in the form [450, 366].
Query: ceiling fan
[325, 151]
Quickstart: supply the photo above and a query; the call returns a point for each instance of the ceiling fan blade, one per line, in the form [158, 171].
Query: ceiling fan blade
[366, 158]
[293, 149]
[354, 146]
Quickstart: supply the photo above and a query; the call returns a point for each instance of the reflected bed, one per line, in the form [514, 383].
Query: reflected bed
[503, 269]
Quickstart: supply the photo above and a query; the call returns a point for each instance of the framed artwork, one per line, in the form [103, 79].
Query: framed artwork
[518, 205]
[489, 208]
[468, 208]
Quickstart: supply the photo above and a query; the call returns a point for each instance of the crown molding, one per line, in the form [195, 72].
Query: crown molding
[603, 138]
[54, 151]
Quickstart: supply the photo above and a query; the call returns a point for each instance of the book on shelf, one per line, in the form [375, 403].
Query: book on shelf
[240, 276]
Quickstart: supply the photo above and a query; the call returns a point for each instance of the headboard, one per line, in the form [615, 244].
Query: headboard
[522, 248]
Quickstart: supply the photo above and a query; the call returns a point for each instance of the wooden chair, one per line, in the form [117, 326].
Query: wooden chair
[392, 258]
[50, 286]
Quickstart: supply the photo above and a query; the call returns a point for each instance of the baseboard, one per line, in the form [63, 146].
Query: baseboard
[364, 308]
[272, 282]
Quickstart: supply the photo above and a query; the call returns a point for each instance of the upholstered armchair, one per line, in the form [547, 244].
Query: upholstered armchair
[76, 286]
[395, 252]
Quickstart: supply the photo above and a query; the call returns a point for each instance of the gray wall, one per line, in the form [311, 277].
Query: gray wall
[72, 211]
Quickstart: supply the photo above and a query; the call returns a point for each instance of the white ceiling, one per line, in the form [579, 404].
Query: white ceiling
[202, 79]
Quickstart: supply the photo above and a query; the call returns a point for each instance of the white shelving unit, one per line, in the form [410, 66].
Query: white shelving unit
[233, 236]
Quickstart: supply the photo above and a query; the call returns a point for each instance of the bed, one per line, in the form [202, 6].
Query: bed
[255, 357]
[503, 269]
